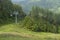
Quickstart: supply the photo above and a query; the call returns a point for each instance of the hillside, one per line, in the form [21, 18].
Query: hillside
[29, 20]
[13, 32]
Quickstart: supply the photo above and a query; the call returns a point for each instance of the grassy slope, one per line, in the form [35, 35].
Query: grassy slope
[23, 34]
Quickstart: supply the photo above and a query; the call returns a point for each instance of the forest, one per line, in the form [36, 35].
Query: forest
[38, 19]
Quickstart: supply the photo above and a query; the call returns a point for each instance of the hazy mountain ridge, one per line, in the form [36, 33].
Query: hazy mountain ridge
[27, 4]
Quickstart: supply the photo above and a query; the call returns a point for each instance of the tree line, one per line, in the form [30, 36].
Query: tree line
[42, 20]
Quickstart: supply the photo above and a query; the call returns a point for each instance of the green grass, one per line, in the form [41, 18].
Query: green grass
[15, 32]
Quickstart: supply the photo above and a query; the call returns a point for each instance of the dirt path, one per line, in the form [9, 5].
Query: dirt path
[29, 35]
[15, 33]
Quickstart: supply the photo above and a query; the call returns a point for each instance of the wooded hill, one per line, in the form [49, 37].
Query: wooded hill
[38, 20]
